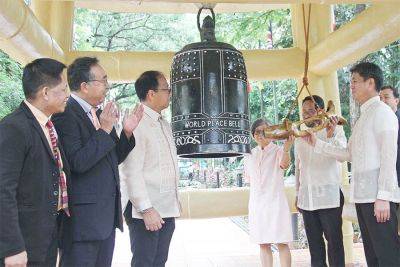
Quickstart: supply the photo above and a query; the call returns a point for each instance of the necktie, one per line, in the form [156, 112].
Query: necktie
[63, 199]
[95, 120]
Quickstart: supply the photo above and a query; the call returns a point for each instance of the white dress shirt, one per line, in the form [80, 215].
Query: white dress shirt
[372, 149]
[85, 105]
[150, 173]
[318, 177]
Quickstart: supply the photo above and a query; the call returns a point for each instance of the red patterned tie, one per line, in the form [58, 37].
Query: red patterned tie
[63, 199]
[95, 120]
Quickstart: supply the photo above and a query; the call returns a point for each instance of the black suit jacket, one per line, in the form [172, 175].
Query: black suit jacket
[93, 187]
[29, 180]
[398, 149]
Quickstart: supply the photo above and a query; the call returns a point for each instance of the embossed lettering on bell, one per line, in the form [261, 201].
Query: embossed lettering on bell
[210, 112]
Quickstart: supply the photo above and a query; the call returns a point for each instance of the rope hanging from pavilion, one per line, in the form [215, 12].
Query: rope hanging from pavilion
[288, 128]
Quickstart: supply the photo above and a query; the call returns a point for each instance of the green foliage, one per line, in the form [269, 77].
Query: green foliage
[277, 96]
[257, 30]
[388, 58]
[108, 31]
[11, 93]
[344, 94]
[124, 94]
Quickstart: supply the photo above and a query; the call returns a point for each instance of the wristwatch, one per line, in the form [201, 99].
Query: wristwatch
[145, 210]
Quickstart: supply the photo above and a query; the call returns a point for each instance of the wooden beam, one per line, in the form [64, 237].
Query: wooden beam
[260, 64]
[274, 64]
[371, 30]
[57, 18]
[21, 35]
[224, 202]
[229, 202]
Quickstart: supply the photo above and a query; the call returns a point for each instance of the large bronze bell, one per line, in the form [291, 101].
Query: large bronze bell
[210, 113]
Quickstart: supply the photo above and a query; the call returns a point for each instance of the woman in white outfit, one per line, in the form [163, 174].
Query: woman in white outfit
[269, 213]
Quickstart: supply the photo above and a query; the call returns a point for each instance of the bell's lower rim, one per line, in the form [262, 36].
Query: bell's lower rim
[211, 155]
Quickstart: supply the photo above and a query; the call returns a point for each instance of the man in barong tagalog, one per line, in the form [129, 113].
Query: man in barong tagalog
[372, 150]
[318, 190]
[151, 176]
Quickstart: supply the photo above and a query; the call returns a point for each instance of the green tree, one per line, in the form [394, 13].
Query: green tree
[253, 30]
[11, 93]
[107, 31]
[388, 58]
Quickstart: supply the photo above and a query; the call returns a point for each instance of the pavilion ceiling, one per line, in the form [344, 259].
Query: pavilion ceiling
[173, 7]
[191, 6]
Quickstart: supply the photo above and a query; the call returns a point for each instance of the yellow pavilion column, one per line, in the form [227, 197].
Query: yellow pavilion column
[332, 93]
[331, 85]
[57, 18]
[325, 86]
[316, 86]
[42, 11]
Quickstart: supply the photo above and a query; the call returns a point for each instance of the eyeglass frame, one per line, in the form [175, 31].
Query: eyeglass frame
[103, 81]
[169, 90]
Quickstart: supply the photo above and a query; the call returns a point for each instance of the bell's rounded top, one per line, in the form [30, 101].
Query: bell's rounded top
[208, 45]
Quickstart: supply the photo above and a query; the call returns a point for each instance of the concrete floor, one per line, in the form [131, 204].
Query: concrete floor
[214, 243]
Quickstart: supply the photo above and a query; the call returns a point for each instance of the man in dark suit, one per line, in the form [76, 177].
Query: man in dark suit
[390, 95]
[94, 151]
[33, 169]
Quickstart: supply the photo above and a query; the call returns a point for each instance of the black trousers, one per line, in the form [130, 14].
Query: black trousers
[328, 223]
[150, 249]
[52, 252]
[51, 257]
[89, 253]
[381, 240]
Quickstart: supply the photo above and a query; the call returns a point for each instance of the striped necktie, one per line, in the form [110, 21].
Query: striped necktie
[63, 198]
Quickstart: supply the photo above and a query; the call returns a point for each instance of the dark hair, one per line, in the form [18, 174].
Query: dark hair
[320, 102]
[146, 81]
[79, 72]
[394, 90]
[39, 73]
[258, 122]
[369, 70]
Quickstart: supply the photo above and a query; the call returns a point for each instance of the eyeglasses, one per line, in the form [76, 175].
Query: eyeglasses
[259, 133]
[387, 97]
[103, 81]
[165, 89]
